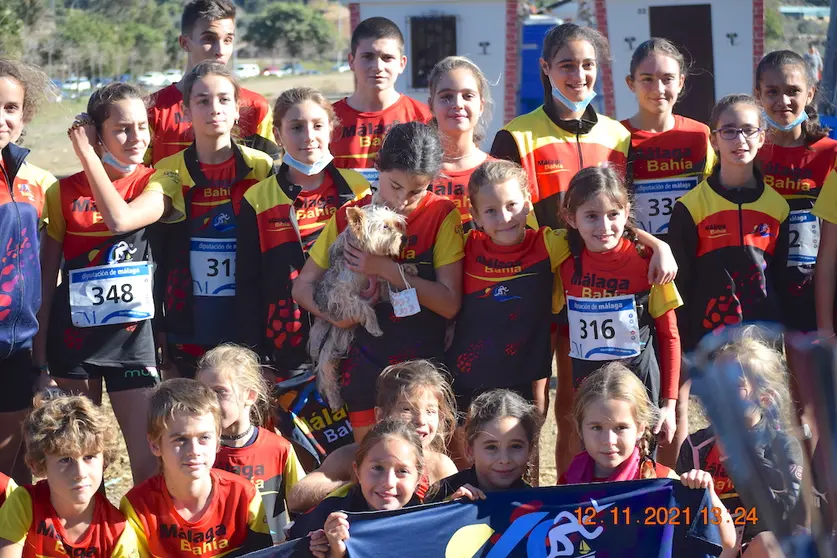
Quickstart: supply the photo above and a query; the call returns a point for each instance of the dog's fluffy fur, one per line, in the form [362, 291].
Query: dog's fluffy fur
[375, 230]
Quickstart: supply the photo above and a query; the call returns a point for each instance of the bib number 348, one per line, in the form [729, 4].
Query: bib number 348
[603, 329]
[111, 294]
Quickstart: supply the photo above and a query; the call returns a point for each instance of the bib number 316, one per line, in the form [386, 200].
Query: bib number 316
[603, 328]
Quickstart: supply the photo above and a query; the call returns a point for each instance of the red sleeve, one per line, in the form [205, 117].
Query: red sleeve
[668, 338]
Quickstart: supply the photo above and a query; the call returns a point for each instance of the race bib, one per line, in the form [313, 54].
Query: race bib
[804, 241]
[111, 294]
[603, 328]
[371, 175]
[654, 201]
[212, 261]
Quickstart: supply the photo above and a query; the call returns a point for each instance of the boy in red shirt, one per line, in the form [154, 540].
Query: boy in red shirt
[377, 59]
[207, 32]
[70, 441]
[191, 508]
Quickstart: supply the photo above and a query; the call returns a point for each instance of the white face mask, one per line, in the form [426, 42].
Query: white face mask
[785, 127]
[109, 159]
[572, 105]
[308, 170]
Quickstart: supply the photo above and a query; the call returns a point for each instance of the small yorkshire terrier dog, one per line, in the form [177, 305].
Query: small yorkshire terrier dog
[344, 294]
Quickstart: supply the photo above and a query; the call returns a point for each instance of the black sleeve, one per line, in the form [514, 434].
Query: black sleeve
[685, 460]
[780, 264]
[248, 300]
[263, 144]
[629, 167]
[683, 239]
[504, 147]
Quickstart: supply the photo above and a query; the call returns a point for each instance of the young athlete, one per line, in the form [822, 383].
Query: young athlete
[97, 324]
[612, 309]
[416, 391]
[280, 219]
[552, 143]
[409, 159]
[614, 415]
[671, 154]
[215, 172]
[23, 88]
[460, 101]
[501, 434]
[189, 508]
[366, 116]
[386, 470]
[730, 237]
[257, 454]
[763, 384]
[69, 441]
[207, 32]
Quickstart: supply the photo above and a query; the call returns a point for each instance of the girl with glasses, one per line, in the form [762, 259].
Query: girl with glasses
[729, 235]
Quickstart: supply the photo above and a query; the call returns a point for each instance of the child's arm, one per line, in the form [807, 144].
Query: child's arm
[15, 520]
[663, 266]
[702, 479]
[51, 253]
[334, 472]
[337, 532]
[258, 531]
[824, 278]
[248, 269]
[780, 263]
[119, 216]
[668, 340]
[468, 491]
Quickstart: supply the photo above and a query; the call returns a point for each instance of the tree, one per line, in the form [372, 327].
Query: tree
[10, 28]
[295, 28]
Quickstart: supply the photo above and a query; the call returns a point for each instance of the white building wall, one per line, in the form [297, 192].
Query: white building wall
[476, 22]
[733, 63]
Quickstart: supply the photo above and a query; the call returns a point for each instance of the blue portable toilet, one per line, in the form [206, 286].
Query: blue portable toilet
[534, 29]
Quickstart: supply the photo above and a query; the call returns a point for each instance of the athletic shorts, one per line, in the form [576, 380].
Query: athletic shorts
[117, 378]
[19, 377]
[186, 358]
[464, 396]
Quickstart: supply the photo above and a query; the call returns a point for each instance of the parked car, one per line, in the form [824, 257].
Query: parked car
[275, 71]
[294, 69]
[245, 71]
[98, 82]
[173, 75]
[341, 68]
[152, 79]
[76, 84]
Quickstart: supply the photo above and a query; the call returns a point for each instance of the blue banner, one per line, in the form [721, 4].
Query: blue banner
[650, 518]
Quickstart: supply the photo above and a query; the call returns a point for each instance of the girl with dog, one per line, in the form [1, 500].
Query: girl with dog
[408, 162]
[280, 218]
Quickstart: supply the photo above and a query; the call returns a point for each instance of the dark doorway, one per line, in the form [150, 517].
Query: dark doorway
[689, 28]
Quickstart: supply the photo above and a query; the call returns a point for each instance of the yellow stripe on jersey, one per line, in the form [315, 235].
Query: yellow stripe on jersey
[293, 473]
[826, 205]
[16, 516]
[449, 246]
[319, 251]
[662, 299]
[134, 522]
[256, 518]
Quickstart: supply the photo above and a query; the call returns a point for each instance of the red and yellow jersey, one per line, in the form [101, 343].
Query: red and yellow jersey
[270, 463]
[607, 288]
[87, 243]
[800, 174]
[505, 318]
[7, 485]
[172, 132]
[433, 240]
[314, 208]
[731, 247]
[28, 519]
[232, 524]
[552, 154]
[666, 165]
[356, 141]
[454, 186]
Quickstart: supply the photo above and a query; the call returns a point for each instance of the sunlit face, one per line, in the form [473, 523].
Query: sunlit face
[235, 403]
[125, 133]
[187, 447]
[210, 40]
[601, 222]
[501, 210]
[401, 191]
[377, 63]
[11, 110]
[305, 132]
[573, 70]
[388, 475]
[610, 433]
[500, 453]
[657, 83]
[457, 104]
[784, 93]
[743, 148]
[74, 479]
[421, 409]
[213, 108]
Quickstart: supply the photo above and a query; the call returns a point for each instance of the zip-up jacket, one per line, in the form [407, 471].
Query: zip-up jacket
[21, 208]
[731, 246]
[269, 256]
[553, 150]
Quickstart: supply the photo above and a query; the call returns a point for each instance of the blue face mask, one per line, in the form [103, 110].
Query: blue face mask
[109, 159]
[789, 126]
[308, 170]
[580, 106]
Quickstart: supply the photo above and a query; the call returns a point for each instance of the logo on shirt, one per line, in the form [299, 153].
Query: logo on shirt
[223, 222]
[332, 424]
[196, 542]
[611, 284]
[550, 165]
[781, 177]
[366, 130]
[762, 229]
[500, 293]
[26, 191]
[666, 160]
[716, 230]
[493, 265]
[122, 251]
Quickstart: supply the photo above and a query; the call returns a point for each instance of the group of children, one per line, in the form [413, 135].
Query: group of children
[563, 242]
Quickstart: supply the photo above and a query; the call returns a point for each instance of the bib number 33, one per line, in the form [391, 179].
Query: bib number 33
[603, 329]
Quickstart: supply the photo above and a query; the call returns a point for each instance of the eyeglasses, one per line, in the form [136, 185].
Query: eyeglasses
[732, 133]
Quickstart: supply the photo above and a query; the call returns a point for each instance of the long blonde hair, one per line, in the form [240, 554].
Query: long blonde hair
[614, 380]
[241, 367]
